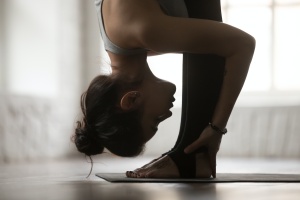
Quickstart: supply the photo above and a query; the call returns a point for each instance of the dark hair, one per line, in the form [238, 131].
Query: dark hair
[104, 124]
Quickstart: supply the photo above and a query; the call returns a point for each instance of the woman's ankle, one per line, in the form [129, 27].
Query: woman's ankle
[203, 169]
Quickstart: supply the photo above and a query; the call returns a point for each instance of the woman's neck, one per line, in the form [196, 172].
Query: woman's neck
[132, 68]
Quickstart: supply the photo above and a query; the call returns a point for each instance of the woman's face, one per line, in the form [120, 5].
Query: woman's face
[157, 98]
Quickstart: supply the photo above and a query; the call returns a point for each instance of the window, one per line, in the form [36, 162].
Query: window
[29, 43]
[275, 69]
[41, 47]
[274, 25]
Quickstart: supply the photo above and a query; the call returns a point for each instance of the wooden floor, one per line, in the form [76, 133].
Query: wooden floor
[66, 180]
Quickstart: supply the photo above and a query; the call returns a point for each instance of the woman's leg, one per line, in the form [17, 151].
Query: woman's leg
[201, 9]
[202, 80]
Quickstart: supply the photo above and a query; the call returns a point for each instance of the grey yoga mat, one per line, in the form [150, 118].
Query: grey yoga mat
[221, 178]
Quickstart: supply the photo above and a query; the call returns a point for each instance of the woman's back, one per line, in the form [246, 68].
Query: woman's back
[116, 17]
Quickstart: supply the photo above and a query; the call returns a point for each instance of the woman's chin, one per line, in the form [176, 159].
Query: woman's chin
[149, 138]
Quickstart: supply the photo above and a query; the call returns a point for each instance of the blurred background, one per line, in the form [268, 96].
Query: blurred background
[51, 49]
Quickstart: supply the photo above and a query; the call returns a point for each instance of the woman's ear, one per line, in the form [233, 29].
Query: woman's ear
[130, 101]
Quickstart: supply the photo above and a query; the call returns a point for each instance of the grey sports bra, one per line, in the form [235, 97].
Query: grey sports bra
[174, 8]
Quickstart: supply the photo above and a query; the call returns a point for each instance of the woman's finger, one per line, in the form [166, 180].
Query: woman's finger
[212, 161]
[194, 146]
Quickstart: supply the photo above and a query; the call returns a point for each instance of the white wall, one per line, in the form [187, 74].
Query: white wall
[49, 51]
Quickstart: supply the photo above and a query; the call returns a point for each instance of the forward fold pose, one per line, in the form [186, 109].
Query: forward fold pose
[122, 111]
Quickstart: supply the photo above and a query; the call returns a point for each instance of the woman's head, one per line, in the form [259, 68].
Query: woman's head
[121, 116]
[104, 124]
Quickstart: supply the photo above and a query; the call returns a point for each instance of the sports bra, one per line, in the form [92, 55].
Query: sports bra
[176, 8]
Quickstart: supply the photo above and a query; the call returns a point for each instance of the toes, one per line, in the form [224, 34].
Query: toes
[135, 173]
[153, 173]
[128, 174]
[131, 174]
[141, 174]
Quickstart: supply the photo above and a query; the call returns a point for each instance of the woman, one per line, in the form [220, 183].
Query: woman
[122, 110]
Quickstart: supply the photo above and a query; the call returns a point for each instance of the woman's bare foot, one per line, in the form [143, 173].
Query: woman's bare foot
[203, 169]
[146, 165]
[161, 168]
[166, 168]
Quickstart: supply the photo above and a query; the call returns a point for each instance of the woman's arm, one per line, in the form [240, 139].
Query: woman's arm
[206, 37]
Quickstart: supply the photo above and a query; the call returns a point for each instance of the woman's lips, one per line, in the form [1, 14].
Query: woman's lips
[163, 117]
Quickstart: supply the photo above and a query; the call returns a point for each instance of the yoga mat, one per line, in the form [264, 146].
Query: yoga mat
[221, 178]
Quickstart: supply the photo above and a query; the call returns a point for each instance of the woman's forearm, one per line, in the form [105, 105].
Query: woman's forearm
[236, 69]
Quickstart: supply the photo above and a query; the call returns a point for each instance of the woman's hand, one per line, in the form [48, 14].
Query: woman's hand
[210, 139]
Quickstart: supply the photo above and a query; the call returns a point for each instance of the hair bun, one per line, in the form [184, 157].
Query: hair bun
[86, 144]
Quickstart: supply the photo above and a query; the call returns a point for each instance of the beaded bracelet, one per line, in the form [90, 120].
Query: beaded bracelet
[217, 129]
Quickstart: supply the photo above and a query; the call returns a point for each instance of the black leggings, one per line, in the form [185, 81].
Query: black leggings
[202, 80]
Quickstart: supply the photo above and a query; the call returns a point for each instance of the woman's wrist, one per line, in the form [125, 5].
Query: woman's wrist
[216, 128]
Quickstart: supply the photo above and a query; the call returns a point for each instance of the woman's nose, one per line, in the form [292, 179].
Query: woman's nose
[171, 87]
[168, 86]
